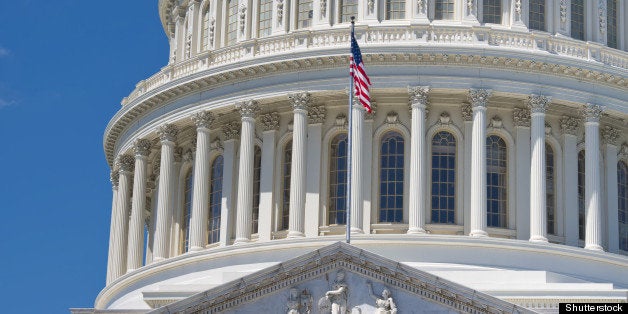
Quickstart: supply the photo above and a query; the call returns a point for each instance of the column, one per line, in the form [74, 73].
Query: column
[176, 204]
[610, 136]
[479, 100]
[270, 125]
[416, 213]
[200, 195]
[569, 127]
[367, 165]
[115, 179]
[167, 134]
[316, 117]
[141, 148]
[244, 215]
[521, 118]
[120, 217]
[538, 209]
[300, 103]
[592, 192]
[231, 132]
[467, 116]
[357, 202]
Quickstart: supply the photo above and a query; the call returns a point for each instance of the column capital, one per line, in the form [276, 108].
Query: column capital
[521, 117]
[569, 125]
[125, 163]
[479, 97]
[316, 114]
[610, 135]
[203, 119]
[418, 96]
[623, 151]
[538, 103]
[371, 116]
[168, 132]
[114, 177]
[270, 121]
[231, 130]
[300, 100]
[248, 108]
[141, 147]
[592, 112]
[467, 112]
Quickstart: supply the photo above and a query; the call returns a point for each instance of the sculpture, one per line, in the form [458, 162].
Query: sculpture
[299, 302]
[335, 301]
[385, 305]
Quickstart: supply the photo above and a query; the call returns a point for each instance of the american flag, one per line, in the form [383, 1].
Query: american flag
[361, 81]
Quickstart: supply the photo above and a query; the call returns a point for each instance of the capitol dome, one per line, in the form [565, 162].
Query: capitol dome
[490, 177]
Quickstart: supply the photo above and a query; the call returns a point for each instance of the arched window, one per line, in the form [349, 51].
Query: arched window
[338, 180]
[496, 182]
[304, 14]
[581, 165]
[286, 169]
[186, 213]
[395, 9]
[577, 19]
[232, 22]
[550, 186]
[257, 168]
[444, 9]
[443, 178]
[391, 178]
[215, 200]
[611, 23]
[492, 11]
[622, 201]
[348, 8]
[205, 29]
[537, 15]
[264, 26]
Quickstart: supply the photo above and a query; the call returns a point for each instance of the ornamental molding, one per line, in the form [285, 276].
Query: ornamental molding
[369, 116]
[419, 96]
[623, 151]
[247, 108]
[479, 97]
[444, 119]
[602, 16]
[156, 167]
[316, 114]
[569, 125]
[548, 129]
[467, 112]
[125, 163]
[300, 100]
[216, 145]
[521, 117]
[168, 132]
[392, 117]
[212, 27]
[371, 5]
[188, 156]
[178, 154]
[141, 147]
[231, 130]
[270, 121]
[592, 112]
[203, 119]
[323, 7]
[496, 123]
[242, 17]
[538, 103]
[279, 4]
[610, 135]
[563, 12]
[341, 121]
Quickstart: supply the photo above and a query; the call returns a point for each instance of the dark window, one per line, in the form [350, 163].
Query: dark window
[338, 180]
[443, 178]
[215, 200]
[496, 182]
[391, 178]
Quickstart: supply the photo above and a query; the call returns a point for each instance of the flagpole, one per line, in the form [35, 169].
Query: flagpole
[349, 149]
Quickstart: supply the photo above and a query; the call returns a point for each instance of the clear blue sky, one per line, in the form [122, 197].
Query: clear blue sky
[64, 67]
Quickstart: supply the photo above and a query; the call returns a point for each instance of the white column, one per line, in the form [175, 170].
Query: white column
[300, 103]
[610, 136]
[200, 196]
[244, 215]
[569, 127]
[270, 125]
[356, 201]
[467, 116]
[167, 134]
[136, 224]
[479, 100]
[538, 209]
[316, 117]
[416, 213]
[521, 118]
[176, 205]
[592, 191]
[114, 177]
[231, 132]
[367, 165]
[120, 217]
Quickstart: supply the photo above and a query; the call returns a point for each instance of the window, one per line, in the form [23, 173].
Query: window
[581, 165]
[537, 15]
[215, 200]
[205, 29]
[443, 177]
[264, 26]
[391, 178]
[577, 19]
[496, 182]
[232, 22]
[444, 9]
[550, 186]
[492, 11]
[338, 180]
[187, 210]
[622, 201]
[287, 168]
[611, 23]
[305, 14]
[395, 9]
[257, 167]
[348, 8]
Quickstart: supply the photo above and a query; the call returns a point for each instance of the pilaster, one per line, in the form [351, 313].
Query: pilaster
[467, 117]
[609, 137]
[231, 132]
[569, 127]
[270, 125]
[316, 118]
[521, 118]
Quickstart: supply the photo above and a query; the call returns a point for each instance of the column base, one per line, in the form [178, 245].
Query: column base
[241, 241]
[356, 231]
[416, 230]
[538, 239]
[478, 234]
[196, 249]
[295, 234]
[594, 247]
[157, 259]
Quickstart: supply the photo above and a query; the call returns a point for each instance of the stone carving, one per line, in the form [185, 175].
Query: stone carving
[212, 27]
[420, 4]
[141, 147]
[335, 300]
[602, 14]
[521, 117]
[444, 119]
[341, 120]
[168, 132]
[623, 151]
[215, 145]
[203, 119]
[178, 154]
[300, 101]
[592, 112]
[371, 115]
[371, 5]
[479, 97]
[279, 11]
[316, 114]
[242, 17]
[569, 125]
[392, 117]
[231, 130]
[418, 95]
[299, 302]
[548, 129]
[467, 112]
[563, 11]
[247, 108]
[114, 177]
[188, 156]
[385, 304]
[323, 7]
[125, 163]
[518, 9]
[610, 135]
[270, 121]
[538, 103]
[496, 122]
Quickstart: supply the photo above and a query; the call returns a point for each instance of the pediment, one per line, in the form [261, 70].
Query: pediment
[301, 285]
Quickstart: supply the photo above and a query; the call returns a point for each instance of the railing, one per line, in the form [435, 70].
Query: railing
[383, 35]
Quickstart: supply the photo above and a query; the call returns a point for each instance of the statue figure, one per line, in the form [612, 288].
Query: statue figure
[385, 305]
[299, 303]
[293, 301]
[335, 301]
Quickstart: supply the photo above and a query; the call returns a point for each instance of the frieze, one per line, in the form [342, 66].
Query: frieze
[521, 117]
[316, 114]
[610, 135]
[467, 112]
[270, 121]
[569, 125]
[231, 130]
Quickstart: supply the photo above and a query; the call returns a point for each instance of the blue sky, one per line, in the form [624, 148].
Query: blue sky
[64, 67]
